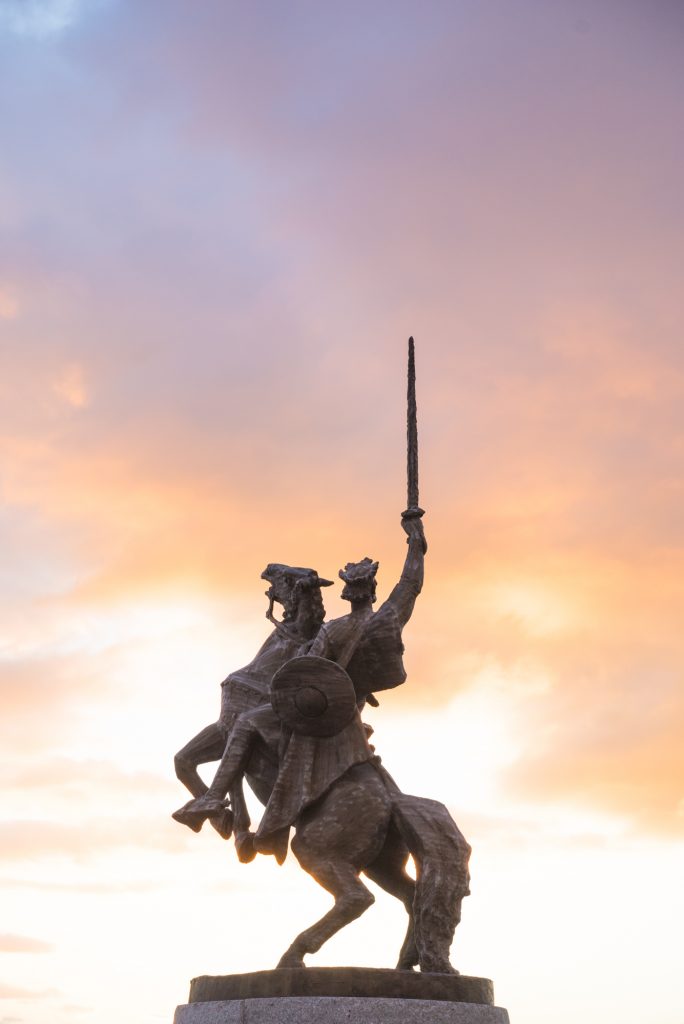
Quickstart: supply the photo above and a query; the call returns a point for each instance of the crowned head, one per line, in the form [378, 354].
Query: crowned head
[359, 581]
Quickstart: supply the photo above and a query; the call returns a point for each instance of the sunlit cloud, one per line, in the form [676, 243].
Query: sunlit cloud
[65, 772]
[23, 944]
[128, 887]
[539, 610]
[31, 840]
[16, 992]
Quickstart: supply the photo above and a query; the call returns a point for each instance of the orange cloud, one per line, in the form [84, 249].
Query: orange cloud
[23, 944]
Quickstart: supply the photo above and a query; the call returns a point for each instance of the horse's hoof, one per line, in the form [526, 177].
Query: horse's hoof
[275, 844]
[443, 967]
[244, 847]
[406, 965]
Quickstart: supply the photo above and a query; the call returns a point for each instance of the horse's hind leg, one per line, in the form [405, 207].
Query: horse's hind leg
[336, 837]
[389, 872]
[352, 898]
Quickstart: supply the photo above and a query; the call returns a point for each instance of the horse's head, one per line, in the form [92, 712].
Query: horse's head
[298, 590]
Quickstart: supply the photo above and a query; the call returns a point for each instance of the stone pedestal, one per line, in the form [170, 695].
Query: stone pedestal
[340, 995]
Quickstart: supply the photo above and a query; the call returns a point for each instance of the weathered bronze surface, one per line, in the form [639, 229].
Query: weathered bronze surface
[291, 724]
[343, 981]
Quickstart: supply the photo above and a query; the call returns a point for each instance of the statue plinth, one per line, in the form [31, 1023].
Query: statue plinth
[340, 995]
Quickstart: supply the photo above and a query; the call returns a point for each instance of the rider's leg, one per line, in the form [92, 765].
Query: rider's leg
[233, 763]
[235, 758]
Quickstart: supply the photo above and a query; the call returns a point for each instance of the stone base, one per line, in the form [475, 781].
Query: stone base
[338, 1010]
[340, 995]
[369, 982]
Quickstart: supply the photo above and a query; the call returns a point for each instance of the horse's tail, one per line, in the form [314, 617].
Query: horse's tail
[442, 878]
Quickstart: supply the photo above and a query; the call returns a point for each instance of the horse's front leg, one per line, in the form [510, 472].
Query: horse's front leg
[207, 745]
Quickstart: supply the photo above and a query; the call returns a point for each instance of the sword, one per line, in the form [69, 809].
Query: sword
[413, 510]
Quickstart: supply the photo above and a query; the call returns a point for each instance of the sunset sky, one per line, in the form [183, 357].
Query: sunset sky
[219, 223]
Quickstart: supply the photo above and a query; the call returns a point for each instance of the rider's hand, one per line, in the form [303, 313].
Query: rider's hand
[413, 527]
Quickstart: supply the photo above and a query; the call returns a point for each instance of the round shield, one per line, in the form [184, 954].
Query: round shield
[313, 696]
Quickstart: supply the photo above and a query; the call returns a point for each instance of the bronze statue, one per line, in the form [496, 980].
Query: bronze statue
[291, 724]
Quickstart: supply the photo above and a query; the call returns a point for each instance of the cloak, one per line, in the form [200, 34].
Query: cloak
[309, 767]
[377, 663]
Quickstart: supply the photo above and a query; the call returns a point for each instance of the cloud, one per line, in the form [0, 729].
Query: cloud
[35, 840]
[40, 696]
[38, 18]
[15, 992]
[616, 745]
[23, 944]
[83, 888]
[9, 307]
[71, 386]
[100, 776]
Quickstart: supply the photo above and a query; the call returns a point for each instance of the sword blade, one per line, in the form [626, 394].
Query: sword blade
[411, 431]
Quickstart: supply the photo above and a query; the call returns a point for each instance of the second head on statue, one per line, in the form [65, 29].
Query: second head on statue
[359, 581]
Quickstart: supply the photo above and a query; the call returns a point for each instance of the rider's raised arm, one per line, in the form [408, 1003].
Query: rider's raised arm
[403, 597]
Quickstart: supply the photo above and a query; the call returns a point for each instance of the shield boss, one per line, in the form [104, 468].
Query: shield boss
[313, 696]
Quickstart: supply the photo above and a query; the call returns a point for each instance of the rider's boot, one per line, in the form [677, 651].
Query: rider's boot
[224, 824]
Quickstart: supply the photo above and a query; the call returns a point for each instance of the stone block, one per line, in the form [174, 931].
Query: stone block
[338, 1010]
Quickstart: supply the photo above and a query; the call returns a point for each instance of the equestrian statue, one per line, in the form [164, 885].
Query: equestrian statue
[291, 725]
